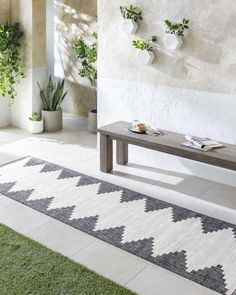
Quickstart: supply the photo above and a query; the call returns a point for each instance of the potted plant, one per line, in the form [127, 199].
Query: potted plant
[52, 97]
[131, 15]
[145, 53]
[35, 123]
[87, 54]
[175, 32]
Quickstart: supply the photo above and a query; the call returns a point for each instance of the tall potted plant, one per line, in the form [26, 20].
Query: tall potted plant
[87, 54]
[52, 97]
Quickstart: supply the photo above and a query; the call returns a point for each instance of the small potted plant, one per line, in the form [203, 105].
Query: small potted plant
[52, 97]
[175, 32]
[87, 54]
[145, 53]
[35, 123]
[131, 15]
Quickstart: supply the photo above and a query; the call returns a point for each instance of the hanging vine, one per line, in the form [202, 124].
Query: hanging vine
[11, 70]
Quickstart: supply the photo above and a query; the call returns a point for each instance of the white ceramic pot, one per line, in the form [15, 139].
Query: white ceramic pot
[130, 26]
[173, 42]
[35, 127]
[92, 121]
[52, 120]
[146, 57]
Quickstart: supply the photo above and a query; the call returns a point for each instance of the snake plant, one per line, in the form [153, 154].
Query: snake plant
[53, 95]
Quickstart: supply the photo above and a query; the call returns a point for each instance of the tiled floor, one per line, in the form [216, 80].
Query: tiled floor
[75, 148]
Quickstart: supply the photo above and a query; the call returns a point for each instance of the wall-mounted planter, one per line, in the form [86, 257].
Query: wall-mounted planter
[173, 42]
[35, 127]
[129, 26]
[146, 57]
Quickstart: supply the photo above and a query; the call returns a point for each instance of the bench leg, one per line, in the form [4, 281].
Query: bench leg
[121, 152]
[106, 153]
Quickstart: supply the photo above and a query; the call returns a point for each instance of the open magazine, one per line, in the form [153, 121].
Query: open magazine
[202, 144]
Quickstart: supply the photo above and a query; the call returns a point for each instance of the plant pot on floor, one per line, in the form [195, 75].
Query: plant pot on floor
[36, 127]
[92, 121]
[52, 120]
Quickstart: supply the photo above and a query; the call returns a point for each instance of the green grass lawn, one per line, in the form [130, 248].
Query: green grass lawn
[27, 267]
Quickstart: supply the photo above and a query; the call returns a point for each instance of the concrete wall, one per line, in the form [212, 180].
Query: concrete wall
[72, 19]
[32, 17]
[189, 91]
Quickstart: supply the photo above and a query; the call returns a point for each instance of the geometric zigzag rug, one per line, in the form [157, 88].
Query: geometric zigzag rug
[193, 245]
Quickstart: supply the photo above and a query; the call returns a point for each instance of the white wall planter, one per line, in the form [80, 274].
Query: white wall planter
[129, 26]
[52, 120]
[35, 127]
[173, 42]
[146, 57]
[92, 121]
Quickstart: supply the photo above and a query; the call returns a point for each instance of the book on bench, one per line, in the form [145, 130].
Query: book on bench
[202, 144]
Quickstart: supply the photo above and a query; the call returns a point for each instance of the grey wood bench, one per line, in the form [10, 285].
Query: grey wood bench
[170, 143]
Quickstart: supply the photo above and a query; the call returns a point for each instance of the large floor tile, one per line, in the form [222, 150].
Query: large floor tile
[222, 195]
[22, 219]
[111, 262]
[61, 237]
[5, 202]
[154, 280]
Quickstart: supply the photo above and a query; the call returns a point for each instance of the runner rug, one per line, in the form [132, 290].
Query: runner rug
[193, 245]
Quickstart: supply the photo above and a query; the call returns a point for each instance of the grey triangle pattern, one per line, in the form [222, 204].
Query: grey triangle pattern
[210, 224]
[40, 205]
[5, 187]
[111, 235]
[50, 168]
[66, 173]
[86, 180]
[175, 262]
[106, 187]
[129, 196]
[155, 205]
[211, 277]
[86, 224]
[35, 162]
[61, 214]
[143, 247]
[214, 277]
[20, 196]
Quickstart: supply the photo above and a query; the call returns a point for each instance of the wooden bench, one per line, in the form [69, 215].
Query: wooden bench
[169, 143]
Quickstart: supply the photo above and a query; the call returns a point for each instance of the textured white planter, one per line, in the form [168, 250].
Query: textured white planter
[35, 127]
[52, 120]
[130, 26]
[146, 57]
[173, 42]
[92, 121]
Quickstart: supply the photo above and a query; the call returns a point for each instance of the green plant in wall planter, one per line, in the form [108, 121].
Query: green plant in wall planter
[131, 15]
[175, 32]
[87, 55]
[35, 123]
[52, 97]
[11, 70]
[145, 53]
